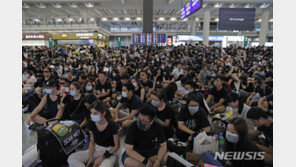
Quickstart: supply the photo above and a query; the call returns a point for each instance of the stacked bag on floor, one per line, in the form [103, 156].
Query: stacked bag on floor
[57, 141]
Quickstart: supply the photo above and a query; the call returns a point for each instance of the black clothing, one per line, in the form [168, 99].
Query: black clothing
[219, 94]
[268, 133]
[132, 104]
[195, 122]
[74, 109]
[104, 138]
[167, 113]
[144, 140]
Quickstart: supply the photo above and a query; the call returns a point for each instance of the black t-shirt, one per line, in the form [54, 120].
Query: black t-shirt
[144, 140]
[263, 92]
[103, 88]
[268, 133]
[247, 87]
[92, 76]
[248, 146]
[41, 83]
[132, 104]
[219, 94]
[118, 86]
[104, 138]
[74, 109]
[167, 113]
[147, 85]
[75, 65]
[195, 122]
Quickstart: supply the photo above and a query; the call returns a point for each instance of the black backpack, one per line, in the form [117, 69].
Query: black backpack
[50, 151]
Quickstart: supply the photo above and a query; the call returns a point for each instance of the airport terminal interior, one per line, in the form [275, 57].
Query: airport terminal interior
[147, 83]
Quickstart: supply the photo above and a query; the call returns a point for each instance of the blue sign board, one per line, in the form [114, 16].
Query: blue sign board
[191, 7]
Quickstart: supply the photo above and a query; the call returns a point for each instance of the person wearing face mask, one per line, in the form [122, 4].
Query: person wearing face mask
[145, 144]
[104, 140]
[64, 87]
[237, 140]
[72, 107]
[192, 119]
[240, 108]
[87, 87]
[190, 88]
[50, 101]
[131, 101]
[139, 91]
[103, 88]
[164, 113]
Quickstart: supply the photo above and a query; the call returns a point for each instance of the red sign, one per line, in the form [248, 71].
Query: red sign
[169, 41]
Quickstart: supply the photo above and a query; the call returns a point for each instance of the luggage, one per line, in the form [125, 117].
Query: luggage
[175, 160]
[57, 141]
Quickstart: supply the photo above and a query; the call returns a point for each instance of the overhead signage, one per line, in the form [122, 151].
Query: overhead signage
[191, 7]
[35, 36]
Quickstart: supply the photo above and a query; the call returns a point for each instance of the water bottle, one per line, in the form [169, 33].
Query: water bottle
[86, 141]
[221, 143]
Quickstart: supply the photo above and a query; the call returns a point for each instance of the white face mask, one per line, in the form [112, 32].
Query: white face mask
[193, 110]
[124, 94]
[154, 103]
[231, 137]
[135, 85]
[89, 88]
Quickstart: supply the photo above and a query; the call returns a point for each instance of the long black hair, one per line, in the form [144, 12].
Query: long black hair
[101, 107]
[240, 125]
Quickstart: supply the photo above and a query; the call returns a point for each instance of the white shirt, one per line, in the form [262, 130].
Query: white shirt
[180, 89]
[177, 73]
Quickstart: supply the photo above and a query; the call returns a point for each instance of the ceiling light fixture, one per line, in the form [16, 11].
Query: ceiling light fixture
[264, 5]
[161, 19]
[89, 5]
[104, 19]
[232, 6]
[248, 6]
[127, 19]
[218, 5]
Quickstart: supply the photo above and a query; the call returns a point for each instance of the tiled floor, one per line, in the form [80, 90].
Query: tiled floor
[30, 137]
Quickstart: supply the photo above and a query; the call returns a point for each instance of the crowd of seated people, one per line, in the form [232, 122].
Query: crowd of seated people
[133, 88]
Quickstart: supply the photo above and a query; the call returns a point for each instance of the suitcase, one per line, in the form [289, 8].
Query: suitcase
[53, 152]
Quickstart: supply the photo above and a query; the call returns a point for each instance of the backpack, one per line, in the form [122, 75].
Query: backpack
[51, 152]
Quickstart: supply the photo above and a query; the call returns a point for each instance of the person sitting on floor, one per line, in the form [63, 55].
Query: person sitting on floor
[145, 144]
[104, 140]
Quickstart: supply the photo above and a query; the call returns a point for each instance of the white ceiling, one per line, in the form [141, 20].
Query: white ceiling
[67, 11]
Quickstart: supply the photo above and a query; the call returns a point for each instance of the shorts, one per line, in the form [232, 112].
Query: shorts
[146, 153]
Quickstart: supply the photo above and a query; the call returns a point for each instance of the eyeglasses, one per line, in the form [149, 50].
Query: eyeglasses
[46, 71]
[62, 83]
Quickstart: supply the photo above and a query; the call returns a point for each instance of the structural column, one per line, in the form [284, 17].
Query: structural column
[206, 27]
[147, 16]
[192, 24]
[263, 27]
